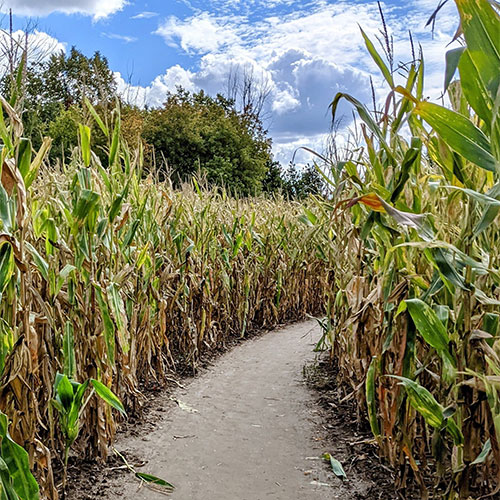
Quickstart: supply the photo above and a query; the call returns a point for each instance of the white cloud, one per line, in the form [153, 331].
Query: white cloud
[41, 46]
[285, 100]
[97, 8]
[145, 15]
[286, 150]
[307, 55]
[199, 34]
[123, 38]
[154, 94]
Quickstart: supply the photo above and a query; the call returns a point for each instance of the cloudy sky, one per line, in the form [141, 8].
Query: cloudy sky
[307, 51]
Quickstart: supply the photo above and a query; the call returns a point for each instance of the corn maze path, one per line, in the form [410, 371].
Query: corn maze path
[246, 429]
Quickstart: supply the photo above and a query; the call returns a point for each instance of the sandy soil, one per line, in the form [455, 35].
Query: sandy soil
[248, 428]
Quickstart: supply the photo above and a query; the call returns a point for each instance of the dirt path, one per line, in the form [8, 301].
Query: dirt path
[246, 429]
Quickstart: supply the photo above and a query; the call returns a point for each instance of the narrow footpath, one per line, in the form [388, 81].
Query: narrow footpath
[246, 429]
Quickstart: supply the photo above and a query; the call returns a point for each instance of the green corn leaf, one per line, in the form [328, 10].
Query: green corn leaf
[445, 262]
[119, 315]
[484, 453]
[489, 215]
[16, 459]
[5, 133]
[51, 235]
[7, 264]
[430, 327]
[117, 203]
[37, 161]
[197, 188]
[115, 143]
[482, 198]
[481, 27]
[453, 255]
[115, 208]
[428, 324]
[17, 89]
[7, 491]
[378, 59]
[85, 143]
[365, 116]
[337, 468]
[443, 314]
[490, 325]
[454, 431]
[495, 128]
[143, 256]
[105, 178]
[24, 157]
[129, 236]
[64, 391]
[107, 395]
[423, 401]
[86, 202]
[5, 211]
[310, 215]
[475, 88]
[96, 117]
[452, 59]
[459, 133]
[157, 481]
[76, 406]
[410, 159]
[40, 262]
[406, 103]
[63, 276]
[420, 77]
[304, 220]
[58, 406]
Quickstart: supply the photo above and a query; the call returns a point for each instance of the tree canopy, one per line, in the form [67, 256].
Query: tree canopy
[194, 131]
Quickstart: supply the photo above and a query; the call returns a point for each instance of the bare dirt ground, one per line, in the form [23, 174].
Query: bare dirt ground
[248, 428]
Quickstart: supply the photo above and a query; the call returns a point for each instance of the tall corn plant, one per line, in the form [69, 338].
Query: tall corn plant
[416, 304]
[19, 363]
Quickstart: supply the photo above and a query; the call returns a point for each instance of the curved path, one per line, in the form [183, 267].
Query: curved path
[246, 429]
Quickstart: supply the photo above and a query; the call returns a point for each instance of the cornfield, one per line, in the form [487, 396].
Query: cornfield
[110, 276]
[413, 319]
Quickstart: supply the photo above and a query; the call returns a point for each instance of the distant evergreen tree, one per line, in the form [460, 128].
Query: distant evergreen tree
[273, 181]
[295, 182]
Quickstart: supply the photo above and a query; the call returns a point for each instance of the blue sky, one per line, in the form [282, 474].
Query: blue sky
[304, 51]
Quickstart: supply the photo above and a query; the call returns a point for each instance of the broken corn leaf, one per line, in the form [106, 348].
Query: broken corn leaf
[337, 468]
[372, 201]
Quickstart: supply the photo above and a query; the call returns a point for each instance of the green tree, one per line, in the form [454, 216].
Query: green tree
[194, 131]
[308, 181]
[294, 182]
[64, 132]
[274, 180]
[67, 79]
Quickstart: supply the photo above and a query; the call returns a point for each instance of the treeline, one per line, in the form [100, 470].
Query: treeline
[192, 133]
